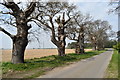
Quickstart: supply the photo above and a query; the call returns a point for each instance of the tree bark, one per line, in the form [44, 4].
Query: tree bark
[77, 50]
[19, 45]
[61, 40]
[94, 48]
[60, 47]
[82, 42]
[61, 51]
[20, 41]
[60, 43]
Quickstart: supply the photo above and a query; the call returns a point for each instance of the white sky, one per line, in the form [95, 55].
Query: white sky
[64, 0]
[97, 9]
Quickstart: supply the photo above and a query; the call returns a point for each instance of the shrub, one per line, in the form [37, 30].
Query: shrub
[117, 46]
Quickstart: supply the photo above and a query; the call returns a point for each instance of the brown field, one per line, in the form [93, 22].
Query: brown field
[35, 53]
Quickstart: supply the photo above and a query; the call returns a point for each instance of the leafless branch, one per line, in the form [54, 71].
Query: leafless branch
[6, 32]
[13, 6]
[6, 13]
[30, 9]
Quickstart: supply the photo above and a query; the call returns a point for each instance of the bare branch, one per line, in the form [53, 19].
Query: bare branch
[45, 24]
[7, 13]
[68, 14]
[10, 35]
[30, 9]
[8, 22]
[14, 7]
[72, 38]
[51, 22]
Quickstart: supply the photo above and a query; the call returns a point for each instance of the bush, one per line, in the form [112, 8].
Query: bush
[117, 46]
[110, 43]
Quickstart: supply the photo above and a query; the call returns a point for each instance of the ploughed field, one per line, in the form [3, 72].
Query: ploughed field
[34, 53]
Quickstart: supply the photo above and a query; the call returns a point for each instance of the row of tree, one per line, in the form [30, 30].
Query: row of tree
[88, 45]
[95, 32]
[61, 19]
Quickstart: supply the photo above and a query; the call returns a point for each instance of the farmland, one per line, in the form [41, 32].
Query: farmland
[35, 53]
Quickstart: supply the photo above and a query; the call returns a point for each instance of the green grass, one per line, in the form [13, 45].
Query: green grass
[118, 66]
[88, 48]
[112, 70]
[40, 65]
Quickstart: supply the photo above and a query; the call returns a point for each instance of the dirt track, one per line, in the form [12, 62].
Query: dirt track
[35, 53]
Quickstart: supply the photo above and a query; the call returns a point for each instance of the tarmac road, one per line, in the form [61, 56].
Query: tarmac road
[93, 67]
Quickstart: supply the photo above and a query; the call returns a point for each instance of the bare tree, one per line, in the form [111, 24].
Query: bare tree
[116, 9]
[77, 30]
[54, 16]
[97, 33]
[19, 19]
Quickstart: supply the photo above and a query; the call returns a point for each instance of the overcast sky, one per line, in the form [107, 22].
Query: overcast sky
[97, 9]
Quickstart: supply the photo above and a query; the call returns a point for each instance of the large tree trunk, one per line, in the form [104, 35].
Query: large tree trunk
[80, 45]
[94, 46]
[77, 50]
[60, 48]
[61, 51]
[20, 42]
[60, 43]
[19, 45]
[82, 42]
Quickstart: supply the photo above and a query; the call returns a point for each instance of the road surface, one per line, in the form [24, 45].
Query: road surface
[93, 67]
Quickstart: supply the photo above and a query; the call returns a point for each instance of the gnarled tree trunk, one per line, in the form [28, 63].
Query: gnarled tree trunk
[80, 46]
[20, 41]
[60, 43]
[94, 46]
[81, 41]
[60, 47]
[19, 45]
[61, 40]
[77, 50]
[61, 51]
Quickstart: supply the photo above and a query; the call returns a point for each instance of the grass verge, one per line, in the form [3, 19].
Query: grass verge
[38, 66]
[112, 70]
